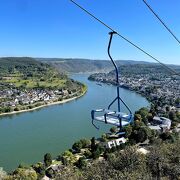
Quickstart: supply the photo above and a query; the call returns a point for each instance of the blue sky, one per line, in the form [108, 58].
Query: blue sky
[57, 28]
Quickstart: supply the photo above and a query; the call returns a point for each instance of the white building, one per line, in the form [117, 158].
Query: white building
[115, 142]
[160, 124]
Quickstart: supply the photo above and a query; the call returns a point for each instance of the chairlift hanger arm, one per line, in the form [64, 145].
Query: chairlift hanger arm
[116, 70]
[117, 77]
[115, 65]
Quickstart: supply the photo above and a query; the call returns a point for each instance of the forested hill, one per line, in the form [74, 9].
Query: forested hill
[24, 65]
[29, 73]
[146, 69]
[85, 65]
[35, 65]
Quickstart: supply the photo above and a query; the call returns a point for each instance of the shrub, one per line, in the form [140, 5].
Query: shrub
[47, 159]
[16, 109]
[50, 173]
[77, 146]
[113, 129]
[68, 158]
[88, 154]
[81, 163]
[83, 143]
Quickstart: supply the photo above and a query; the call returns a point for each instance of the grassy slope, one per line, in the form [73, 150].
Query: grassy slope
[30, 73]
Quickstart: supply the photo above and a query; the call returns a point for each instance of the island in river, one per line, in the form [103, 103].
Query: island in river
[26, 84]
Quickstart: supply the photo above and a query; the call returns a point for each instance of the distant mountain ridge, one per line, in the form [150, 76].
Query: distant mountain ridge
[85, 65]
[78, 65]
[70, 65]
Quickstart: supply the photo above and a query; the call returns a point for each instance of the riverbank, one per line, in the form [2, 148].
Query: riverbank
[60, 125]
[123, 87]
[86, 155]
[45, 105]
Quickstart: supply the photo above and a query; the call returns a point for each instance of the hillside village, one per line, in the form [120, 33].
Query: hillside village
[17, 97]
[154, 86]
[11, 99]
[26, 84]
[159, 87]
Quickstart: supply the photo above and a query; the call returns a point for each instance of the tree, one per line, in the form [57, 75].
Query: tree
[150, 117]
[16, 109]
[88, 154]
[7, 109]
[77, 146]
[138, 124]
[172, 115]
[153, 136]
[143, 134]
[103, 137]
[68, 158]
[155, 162]
[98, 150]
[81, 163]
[99, 170]
[128, 160]
[40, 170]
[3, 174]
[139, 133]
[96, 153]
[50, 173]
[85, 143]
[24, 174]
[93, 144]
[168, 136]
[128, 130]
[164, 160]
[24, 166]
[167, 108]
[47, 159]
[137, 117]
[113, 129]
[144, 114]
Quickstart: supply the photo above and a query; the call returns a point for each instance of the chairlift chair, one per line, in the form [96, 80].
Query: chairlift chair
[108, 116]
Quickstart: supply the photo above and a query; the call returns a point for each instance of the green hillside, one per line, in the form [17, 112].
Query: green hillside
[24, 65]
[27, 72]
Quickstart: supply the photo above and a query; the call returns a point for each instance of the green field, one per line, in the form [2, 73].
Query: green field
[35, 82]
[28, 73]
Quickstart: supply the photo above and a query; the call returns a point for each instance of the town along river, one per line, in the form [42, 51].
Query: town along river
[26, 137]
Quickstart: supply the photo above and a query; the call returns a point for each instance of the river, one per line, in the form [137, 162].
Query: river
[26, 137]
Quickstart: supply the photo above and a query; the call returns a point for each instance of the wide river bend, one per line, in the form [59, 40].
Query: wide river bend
[26, 137]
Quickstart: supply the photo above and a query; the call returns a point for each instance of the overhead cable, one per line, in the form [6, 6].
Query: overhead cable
[156, 15]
